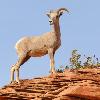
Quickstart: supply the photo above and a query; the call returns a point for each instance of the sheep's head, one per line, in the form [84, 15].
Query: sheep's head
[55, 15]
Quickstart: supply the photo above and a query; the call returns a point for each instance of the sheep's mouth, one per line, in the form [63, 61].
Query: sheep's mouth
[51, 23]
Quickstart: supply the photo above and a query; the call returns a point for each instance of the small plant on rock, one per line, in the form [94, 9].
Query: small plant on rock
[74, 60]
[60, 70]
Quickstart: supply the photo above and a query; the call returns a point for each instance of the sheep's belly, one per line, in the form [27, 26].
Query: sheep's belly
[38, 53]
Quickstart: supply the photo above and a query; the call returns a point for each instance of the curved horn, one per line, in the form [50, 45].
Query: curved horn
[62, 9]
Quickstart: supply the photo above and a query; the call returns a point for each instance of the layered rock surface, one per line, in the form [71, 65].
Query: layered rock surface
[82, 84]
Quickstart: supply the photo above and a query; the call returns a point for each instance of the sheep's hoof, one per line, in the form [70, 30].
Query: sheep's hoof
[11, 82]
[53, 72]
[17, 81]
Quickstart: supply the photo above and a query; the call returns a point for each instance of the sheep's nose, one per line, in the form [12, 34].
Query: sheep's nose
[50, 21]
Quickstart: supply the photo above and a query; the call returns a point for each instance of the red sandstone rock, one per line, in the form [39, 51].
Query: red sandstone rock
[83, 84]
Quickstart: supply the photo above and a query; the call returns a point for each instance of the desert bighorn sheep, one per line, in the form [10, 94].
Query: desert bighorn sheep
[37, 46]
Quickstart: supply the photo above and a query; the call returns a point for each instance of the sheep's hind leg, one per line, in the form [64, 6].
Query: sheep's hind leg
[12, 73]
[22, 59]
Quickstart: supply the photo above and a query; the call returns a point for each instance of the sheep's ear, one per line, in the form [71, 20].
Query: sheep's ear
[62, 10]
[48, 14]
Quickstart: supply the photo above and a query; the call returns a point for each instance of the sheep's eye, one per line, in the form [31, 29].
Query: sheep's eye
[60, 14]
[57, 16]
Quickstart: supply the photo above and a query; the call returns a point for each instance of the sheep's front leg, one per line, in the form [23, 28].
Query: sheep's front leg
[52, 62]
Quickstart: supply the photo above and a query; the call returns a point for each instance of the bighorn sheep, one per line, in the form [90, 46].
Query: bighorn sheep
[37, 46]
